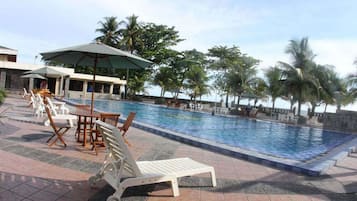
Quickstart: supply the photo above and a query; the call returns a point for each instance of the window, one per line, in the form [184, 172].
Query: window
[116, 89]
[75, 85]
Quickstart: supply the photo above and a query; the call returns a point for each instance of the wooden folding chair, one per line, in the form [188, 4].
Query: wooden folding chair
[125, 127]
[109, 118]
[59, 129]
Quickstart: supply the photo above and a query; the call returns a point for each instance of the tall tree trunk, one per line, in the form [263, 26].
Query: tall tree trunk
[162, 92]
[312, 110]
[299, 107]
[227, 99]
[272, 110]
[299, 102]
[238, 101]
[273, 104]
[325, 108]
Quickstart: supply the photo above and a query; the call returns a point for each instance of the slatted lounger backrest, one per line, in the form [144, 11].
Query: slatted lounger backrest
[117, 147]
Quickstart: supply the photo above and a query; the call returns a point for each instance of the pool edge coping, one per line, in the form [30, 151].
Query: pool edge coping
[313, 168]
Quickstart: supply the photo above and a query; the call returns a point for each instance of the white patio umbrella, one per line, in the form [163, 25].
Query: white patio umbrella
[47, 71]
[97, 55]
[32, 75]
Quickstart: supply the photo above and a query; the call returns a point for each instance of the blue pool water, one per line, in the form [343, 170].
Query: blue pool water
[279, 140]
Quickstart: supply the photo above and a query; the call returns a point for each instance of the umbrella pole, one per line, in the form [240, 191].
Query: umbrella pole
[127, 81]
[93, 83]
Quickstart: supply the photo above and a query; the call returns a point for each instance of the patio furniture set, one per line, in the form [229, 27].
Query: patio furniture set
[119, 168]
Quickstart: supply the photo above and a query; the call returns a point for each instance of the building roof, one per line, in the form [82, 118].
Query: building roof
[67, 71]
[7, 51]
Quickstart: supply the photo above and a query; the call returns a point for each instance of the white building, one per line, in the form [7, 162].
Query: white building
[69, 84]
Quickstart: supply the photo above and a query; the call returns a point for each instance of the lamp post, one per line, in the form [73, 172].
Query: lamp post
[34, 61]
[337, 95]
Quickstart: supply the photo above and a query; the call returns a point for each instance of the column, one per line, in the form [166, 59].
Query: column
[66, 87]
[2, 79]
[85, 85]
[122, 91]
[57, 87]
[111, 88]
[61, 86]
[31, 83]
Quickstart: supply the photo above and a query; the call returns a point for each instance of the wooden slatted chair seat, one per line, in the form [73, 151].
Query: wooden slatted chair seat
[59, 129]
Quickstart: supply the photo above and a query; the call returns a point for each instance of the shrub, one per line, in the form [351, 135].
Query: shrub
[2, 95]
[160, 101]
[302, 120]
[136, 98]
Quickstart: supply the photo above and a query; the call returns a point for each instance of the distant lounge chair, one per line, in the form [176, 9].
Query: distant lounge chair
[26, 95]
[37, 105]
[62, 109]
[68, 117]
[121, 171]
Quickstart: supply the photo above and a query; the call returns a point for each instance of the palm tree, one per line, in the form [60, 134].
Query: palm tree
[196, 79]
[130, 40]
[352, 83]
[131, 33]
[259, 90]
[109, 30]
[298, 79]
[274, 89]
[329, 84]
[163, 78]
[242, 77]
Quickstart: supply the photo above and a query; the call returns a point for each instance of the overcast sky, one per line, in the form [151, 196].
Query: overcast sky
[262, 29]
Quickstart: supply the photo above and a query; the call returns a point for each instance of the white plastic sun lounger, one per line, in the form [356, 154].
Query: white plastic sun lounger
[121, 171]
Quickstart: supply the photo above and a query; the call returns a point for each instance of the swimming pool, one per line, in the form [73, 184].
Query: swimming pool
[275, 139]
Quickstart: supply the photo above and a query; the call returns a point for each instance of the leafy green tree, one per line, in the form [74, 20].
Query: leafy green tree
[196, 81]
[179, 67]
[150, 41]
[259, 90]
[109, 30]
[274, 88]
[157, 41]
[137, 84]
[164, 79]
[222, 59]
[242, 77]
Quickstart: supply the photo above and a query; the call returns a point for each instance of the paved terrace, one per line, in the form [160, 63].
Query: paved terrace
[30, 170]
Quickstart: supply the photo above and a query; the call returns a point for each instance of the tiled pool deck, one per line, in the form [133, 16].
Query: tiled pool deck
[30, 170]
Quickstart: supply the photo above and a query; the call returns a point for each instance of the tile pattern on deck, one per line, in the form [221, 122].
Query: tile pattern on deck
[30, 170]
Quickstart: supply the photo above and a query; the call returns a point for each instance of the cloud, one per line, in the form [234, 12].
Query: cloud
[337, 52]
[193, 19]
